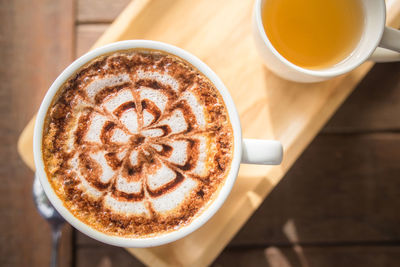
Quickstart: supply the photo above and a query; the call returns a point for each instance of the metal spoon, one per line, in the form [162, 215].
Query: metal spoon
[48, 212]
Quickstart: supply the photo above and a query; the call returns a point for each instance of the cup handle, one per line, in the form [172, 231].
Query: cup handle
[267, 152]
[389, 47]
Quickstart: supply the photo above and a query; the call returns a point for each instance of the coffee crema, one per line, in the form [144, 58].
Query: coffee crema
[137, 143]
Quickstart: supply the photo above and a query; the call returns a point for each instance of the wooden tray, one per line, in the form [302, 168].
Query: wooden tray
[219, 33]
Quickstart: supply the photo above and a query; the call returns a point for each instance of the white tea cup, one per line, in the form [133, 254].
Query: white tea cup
[378, 43]
[245, 150]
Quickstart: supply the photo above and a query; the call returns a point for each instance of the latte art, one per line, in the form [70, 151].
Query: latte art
[137, 143]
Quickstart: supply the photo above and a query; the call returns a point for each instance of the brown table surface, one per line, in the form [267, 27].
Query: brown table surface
[337, 206]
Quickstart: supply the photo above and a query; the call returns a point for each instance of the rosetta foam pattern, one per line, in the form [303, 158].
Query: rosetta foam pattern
[142, 146]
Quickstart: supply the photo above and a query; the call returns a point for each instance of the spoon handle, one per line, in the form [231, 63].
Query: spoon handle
[55, 236]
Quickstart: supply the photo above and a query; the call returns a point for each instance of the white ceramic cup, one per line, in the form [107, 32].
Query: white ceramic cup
[245, 150]
[374, 44]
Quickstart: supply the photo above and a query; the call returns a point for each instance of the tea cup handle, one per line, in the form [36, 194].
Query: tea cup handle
[266, 152]
[389, 47]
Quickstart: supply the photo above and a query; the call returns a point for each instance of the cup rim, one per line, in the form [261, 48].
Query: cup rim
[200, 219]
[323, 73]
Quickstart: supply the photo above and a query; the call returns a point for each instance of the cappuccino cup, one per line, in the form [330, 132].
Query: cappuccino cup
[377, 43]
[229, 152]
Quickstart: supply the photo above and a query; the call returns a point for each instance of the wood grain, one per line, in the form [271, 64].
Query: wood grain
[355, 185]
[351, 196]
[86, 36]
[271, 95]
[331, 256]
[298, 196]
[94, 11]
[101, 255]
[31, 35]
[264, 113]
[374, 105]
[371, 106]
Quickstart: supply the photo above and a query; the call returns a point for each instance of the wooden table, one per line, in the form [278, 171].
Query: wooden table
[337, 206]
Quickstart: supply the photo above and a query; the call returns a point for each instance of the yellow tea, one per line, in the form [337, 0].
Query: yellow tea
[313, 34]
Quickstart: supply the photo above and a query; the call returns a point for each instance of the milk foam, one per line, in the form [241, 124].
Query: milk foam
[176, 122]
[88, 189]
[159, 77]
[114, 101]
[179, 152]
[121, 154]
[157, 132]
[128, 187]
[84, 185]
[197, 109]
[130, 120]
[139, 141]
[155, 96]
[134, 157]
[106, 172]
[99, 84]
[125, 207]
[201, 169]
[157, 147]
[172, 200]
[119, 136]
[155, 177]
[160, 177]
[147, 118]
[96, 124]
